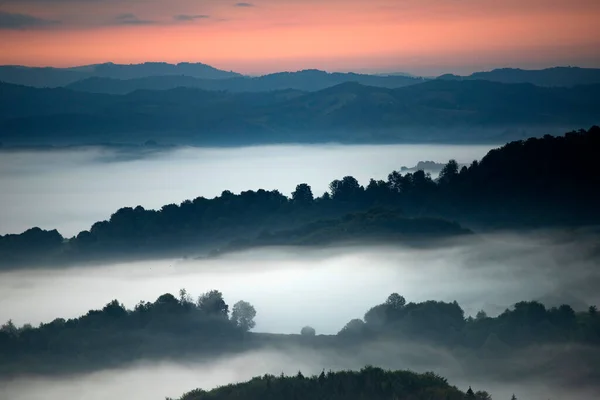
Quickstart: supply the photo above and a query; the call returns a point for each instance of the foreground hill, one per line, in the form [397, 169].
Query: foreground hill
[557, 76]
[434, 111]
[369, 383]
[307, 80]
[53, 77]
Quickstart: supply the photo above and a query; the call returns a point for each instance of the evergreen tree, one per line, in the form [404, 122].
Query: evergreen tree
[470, 393]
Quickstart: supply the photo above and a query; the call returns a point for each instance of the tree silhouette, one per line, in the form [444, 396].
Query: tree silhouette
[243, 314]
[212, 303]
[448, 172]
[308, 331]
[303, 194]
[470, 394]
[395, 301]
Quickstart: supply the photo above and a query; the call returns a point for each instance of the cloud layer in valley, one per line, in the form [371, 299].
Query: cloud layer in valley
[81, 187]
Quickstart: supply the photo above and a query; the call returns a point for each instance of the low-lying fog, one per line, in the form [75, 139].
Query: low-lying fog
[159, 380]
[323, 288]
[70, 190]
[290, 288]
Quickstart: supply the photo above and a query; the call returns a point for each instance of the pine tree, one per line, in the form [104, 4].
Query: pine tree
[470, 393]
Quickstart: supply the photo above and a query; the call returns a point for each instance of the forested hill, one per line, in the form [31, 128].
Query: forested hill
[438, 111]
[187, 327]
[369, 383]
[547, 182]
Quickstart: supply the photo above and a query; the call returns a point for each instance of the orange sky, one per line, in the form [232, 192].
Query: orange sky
[423, 36]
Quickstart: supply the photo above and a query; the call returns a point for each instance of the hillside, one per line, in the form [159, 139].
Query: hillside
[374, 226]
[185, 328]
[307, 80]
[557, 76]
[537, 183]
[368, 383]
[434, 111]
[135, 234]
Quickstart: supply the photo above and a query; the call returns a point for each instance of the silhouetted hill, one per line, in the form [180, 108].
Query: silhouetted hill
[369, 383]
[557, 76]
[537, 183]
[434, 111]
[132, 71]
[307, 80]
[184, 328]
[39, 76]
[54, 77]
[374, 226]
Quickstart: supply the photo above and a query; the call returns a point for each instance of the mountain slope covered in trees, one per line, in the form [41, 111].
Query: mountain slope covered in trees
[546, 182]
[434, 111]
[187, 328]
[368, 383]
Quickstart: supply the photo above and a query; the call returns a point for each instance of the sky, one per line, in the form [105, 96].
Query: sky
[427, 37]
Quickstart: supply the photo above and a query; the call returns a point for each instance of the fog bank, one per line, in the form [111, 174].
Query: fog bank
[70, 190]
[158, 380]
[325, 288]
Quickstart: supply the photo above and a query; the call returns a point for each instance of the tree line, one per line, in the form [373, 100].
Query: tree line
[166, 327]
[526, 323]
[177, 326]
[538, 182]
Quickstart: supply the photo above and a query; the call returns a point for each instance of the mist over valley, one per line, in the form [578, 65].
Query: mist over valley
[299, 200]
[80, 186]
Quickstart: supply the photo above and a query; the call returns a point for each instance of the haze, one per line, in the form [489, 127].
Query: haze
[300, 287]
[157, 380]
[70, 190]
[305, 287]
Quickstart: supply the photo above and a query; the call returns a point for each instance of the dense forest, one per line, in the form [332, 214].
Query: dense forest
[183, 327]
[545, 182]
[368, 383]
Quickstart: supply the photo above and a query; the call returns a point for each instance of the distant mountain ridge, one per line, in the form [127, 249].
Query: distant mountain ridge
[306, 80]
[124, 78]
[439, 111]
[54, 77]
[556, 76]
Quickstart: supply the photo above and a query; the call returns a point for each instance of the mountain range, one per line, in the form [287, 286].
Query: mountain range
[557, 76]
[55, 77]
[121, 79]
[432, 111]
[307, 80]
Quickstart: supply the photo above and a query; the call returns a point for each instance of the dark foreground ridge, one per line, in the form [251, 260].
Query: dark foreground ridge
[536, 183]
[368, 383]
